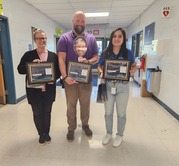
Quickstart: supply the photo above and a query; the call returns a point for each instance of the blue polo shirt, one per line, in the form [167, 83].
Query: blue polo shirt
[113, 56]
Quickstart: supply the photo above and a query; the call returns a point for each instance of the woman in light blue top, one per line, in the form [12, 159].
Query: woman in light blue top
[117, 91]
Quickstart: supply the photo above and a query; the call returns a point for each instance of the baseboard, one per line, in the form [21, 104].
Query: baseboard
[21, 98]
[136, 82]
[166, 107]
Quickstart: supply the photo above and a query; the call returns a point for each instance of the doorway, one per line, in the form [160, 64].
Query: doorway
[137, 43]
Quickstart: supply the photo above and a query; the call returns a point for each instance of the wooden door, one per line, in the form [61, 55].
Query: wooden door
[2, 87]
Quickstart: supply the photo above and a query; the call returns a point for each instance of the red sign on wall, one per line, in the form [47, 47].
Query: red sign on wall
[166, 12]
[95, 32]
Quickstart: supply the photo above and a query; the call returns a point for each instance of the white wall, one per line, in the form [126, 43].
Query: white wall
[104, 29]
[167, 31]
[22, 17]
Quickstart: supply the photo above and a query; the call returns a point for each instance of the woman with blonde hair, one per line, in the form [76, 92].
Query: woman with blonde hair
[40, 97]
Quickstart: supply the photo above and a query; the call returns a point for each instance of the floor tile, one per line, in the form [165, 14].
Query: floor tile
[150, 138]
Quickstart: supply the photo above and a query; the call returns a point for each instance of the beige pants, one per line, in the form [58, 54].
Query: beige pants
[78, 92]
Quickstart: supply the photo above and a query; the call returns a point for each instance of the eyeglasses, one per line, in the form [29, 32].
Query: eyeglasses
[41, 38]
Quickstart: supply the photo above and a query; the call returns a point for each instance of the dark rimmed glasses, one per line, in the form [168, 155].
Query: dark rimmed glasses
[41, 38]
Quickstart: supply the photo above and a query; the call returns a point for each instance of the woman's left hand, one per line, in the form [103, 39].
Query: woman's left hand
[133, 69]
[37, 60]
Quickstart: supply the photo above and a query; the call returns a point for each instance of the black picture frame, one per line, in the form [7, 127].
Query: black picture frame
[117, 69]
[38, 73]
[79, 71]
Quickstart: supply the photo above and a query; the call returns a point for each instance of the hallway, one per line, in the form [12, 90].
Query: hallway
[151, 137]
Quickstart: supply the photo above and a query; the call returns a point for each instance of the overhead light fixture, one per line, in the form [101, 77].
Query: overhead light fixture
[102, 14]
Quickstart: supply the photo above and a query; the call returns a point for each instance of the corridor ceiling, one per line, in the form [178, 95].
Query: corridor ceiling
[121, 12]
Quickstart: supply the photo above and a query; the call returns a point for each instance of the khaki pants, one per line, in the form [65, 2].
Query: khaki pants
[75, 92]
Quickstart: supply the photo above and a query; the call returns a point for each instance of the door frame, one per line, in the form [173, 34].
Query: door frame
[5, 45]
[136, 43]
[2, 87]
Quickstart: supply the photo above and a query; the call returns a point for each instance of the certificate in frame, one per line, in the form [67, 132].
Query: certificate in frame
[117, 69]
[79, 71]
[38, 73]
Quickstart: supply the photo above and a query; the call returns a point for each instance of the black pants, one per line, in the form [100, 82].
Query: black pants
[42, 115]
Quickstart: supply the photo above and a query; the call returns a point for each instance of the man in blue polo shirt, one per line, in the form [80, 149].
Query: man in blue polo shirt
[74, 90]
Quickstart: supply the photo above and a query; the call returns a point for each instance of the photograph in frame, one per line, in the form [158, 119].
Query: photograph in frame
[38, 73]
[117, 69]
[149, 34]
[79, 71]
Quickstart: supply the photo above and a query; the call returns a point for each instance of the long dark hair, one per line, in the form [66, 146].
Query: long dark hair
[109, 50]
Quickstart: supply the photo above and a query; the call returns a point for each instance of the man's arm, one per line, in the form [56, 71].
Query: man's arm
[62, 66]
[94, 59]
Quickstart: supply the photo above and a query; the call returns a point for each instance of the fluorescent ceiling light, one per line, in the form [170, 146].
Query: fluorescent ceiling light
[102, 14]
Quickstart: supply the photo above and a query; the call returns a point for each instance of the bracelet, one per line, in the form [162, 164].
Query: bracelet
[65, 78]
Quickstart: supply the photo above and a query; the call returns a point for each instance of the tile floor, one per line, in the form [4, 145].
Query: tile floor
[151, 136]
